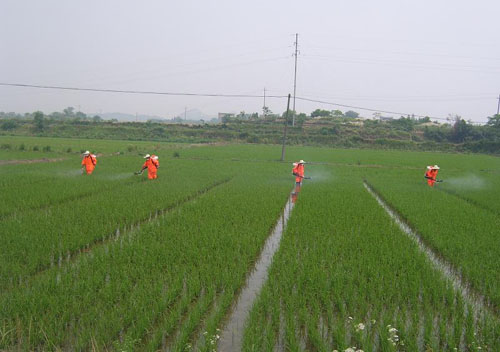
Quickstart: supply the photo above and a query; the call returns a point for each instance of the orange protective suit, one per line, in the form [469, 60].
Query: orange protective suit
[152, 165]
[298, 171]
[431, 175]
[89, 161]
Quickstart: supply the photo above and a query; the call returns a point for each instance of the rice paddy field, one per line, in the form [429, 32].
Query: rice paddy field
[116, 262]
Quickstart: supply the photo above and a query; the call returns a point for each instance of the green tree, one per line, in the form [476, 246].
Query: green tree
[290, 113]
[300, 118]
[352, 114]
[337, 113]
[69, 111]
[461, 129]
[494, 121]
[266, 111]
[321, 113]
[9, 125]
[39, 121]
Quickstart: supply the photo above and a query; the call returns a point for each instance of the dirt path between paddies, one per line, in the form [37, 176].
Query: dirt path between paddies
[30, 161]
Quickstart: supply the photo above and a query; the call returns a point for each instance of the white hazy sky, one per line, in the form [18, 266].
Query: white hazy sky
[427, 57]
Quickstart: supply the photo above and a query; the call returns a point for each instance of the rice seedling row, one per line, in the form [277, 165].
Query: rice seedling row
[345, 276]
[465, 235]
[61, 230]
[182, 267]
[28, 187]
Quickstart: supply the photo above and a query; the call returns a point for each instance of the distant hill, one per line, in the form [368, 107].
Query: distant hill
[194, 115]
[190, 115]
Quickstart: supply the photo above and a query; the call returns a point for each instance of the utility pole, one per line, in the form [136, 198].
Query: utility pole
[264, 107]
[284, 132]
[295, 76]
[498, 107]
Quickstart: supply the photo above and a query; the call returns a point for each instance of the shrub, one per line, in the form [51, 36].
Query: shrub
[9, 125]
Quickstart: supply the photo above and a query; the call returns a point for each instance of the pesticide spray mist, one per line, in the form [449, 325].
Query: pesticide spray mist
[469, 182]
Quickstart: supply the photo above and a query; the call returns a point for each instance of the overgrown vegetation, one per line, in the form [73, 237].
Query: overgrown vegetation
[320, 128]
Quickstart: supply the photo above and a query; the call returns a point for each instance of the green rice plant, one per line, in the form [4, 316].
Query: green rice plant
[62, 231]
[154, 283]
[464, 234]
[346, 276]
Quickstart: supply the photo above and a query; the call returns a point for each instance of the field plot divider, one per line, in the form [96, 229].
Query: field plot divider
[231, 338]
[475, 299]
[75, 254]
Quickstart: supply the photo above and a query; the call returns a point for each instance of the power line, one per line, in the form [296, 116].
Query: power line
[213, 95]
[295, 75]
[140, 91]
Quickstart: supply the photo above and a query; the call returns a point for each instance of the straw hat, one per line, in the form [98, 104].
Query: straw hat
[147, 156]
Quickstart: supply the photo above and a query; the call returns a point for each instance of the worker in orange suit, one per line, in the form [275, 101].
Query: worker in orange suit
[431, 175]
[152, 164]
[298, 172]
[89, 162]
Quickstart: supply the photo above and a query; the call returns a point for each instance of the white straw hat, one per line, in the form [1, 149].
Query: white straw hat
[302, 161]
[86, 153]
[429, 167]
[436, 167]
[147, 156]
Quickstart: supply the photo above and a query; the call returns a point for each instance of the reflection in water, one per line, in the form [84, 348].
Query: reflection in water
[296, 191]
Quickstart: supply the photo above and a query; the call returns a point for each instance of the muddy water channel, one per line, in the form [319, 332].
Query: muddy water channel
[232, 335]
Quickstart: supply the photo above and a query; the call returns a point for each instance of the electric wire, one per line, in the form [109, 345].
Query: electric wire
[218, 95]
[141, 91]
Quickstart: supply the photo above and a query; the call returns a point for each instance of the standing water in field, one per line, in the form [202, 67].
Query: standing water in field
[232, 334]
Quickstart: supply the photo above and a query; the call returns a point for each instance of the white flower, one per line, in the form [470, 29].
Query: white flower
[360, 326]
[350, 318]
[393, 330]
